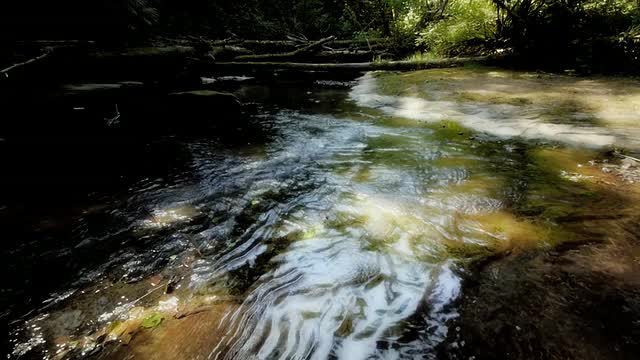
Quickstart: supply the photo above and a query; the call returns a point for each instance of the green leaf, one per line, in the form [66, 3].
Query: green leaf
[152, 321]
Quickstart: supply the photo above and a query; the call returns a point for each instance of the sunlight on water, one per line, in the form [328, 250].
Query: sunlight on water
[512, 106]
[365, 256]
[168, 217]
[338, 235]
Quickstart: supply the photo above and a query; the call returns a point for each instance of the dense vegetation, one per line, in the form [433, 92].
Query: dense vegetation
[594, 34]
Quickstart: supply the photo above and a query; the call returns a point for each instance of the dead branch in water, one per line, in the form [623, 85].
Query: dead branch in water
[6, 71]
[226, 42]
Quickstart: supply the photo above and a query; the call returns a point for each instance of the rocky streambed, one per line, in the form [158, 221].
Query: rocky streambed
[457, 213]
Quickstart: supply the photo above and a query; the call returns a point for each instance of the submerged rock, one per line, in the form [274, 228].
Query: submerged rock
[189, 337]
[164, 218]
[206, 96]
[576, 300]
[202, 104]
[628, 163]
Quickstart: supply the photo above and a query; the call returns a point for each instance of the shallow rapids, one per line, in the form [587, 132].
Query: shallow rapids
[340, 230]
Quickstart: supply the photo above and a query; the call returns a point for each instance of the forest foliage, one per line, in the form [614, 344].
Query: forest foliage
[590, 33]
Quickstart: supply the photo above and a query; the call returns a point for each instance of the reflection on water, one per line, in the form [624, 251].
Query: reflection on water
[169, 217]
[339, 235]
[590, 112]
[359, 260]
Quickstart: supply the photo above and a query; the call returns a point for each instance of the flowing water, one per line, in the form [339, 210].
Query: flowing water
[337, 227]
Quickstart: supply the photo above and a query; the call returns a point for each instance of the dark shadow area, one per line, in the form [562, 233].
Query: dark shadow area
[578, 299]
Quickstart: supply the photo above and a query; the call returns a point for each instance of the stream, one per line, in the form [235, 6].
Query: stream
[333, 220]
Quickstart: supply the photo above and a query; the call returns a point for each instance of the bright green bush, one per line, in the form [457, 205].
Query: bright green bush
[466, 26]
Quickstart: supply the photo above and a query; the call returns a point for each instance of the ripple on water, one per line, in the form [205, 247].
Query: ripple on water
[363, 259]
[334, 235]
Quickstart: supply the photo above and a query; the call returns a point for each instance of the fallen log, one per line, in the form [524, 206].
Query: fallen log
[226, 42]
[287, 56]
[360, 42]
[283, 46]
[294, 43]
[270, 46]
[228, 67]
[343, 56]
[227, 53]
[324, 56]
[288, 44]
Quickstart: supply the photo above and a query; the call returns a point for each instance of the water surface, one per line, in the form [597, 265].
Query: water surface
[334, 228]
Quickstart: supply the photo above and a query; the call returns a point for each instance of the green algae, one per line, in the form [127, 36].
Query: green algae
[531, 181]
[461, 250]
[451, 131]
[312, 232]
[152, 321]
[309, 315]
[379, 279]
[346, 328]
[401, 122]
[492, 98]
[549, 194]
[362, 175]
[550, 98]
[425, 83]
